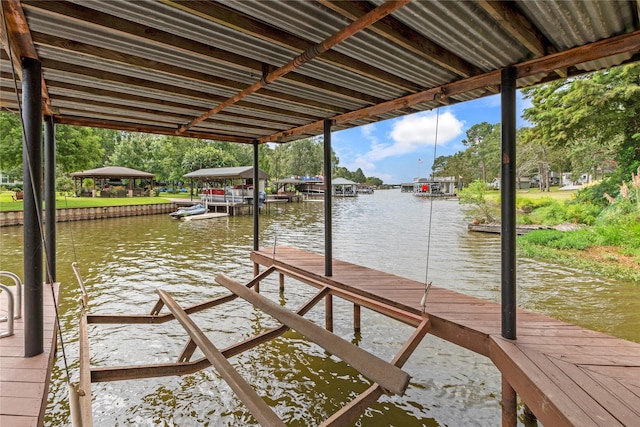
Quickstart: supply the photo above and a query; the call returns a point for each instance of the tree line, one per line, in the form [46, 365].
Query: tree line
[168, 157]
[584, 125]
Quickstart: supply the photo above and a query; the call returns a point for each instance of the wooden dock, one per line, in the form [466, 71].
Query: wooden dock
[565, 374]
[24, 382]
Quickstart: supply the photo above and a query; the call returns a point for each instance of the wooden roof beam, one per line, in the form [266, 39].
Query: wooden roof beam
[521, 28]
[539, 66]
[18, 43]
[308, 55]
[230, 18]
[392, 29]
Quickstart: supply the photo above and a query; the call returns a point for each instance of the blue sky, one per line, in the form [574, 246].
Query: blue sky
[392, 149]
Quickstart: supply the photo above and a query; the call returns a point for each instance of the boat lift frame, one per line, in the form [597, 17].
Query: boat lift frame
[387, 377]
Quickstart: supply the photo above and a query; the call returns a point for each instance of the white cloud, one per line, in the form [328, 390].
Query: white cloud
[413, 133]
[368, 132]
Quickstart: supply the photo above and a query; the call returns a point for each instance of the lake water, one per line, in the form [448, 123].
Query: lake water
[125, 260]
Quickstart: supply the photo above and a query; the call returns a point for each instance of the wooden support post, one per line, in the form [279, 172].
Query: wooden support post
[281, 276]
[328, 313]
[509, 405]
[256, 271]
[356, 318]
[84, 388]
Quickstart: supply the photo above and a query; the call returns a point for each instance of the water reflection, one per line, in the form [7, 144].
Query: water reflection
[124, 260]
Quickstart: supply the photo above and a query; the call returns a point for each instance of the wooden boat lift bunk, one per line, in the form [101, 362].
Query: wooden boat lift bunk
[387, 377]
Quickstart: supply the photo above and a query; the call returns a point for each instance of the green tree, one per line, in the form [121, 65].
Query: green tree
[10, 144]
[358, 176]
[483, 142]
[372, 180]
[204, 157]
[342, 172]
[480, 208]
[456, 165]
[594, 118]
[305, 157]
[133, 150]
[77, 148]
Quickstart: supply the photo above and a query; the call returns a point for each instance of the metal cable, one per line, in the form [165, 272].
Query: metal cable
[427, 283]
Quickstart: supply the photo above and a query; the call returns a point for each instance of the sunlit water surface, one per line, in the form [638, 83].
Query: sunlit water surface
[125, 260]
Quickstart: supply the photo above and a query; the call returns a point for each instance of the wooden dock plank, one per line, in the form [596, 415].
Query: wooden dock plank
[566, 374]
[24, 381]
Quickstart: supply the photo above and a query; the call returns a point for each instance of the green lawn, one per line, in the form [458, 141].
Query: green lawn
[534, 193]
[7, 203]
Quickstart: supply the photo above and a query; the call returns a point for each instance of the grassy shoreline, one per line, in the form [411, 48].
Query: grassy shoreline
[606, 261]
[63, 202]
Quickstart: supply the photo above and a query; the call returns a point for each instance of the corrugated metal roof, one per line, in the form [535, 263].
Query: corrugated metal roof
[157, 65]
[244, 172]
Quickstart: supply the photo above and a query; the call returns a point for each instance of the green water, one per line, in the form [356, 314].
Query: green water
[125, 260]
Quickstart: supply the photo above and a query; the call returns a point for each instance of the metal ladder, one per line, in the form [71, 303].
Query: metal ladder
[11, 306]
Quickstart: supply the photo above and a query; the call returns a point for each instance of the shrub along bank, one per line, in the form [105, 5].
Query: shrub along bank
[605, 232]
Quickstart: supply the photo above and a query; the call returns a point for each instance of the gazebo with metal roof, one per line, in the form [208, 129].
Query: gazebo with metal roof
[107, 173]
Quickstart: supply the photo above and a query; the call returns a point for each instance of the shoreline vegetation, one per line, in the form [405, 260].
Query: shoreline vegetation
[605, 241]
[601, 233]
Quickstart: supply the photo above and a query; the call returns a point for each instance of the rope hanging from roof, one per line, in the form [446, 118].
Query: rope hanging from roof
[427, 283]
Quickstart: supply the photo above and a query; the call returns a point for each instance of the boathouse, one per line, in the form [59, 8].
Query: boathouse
[258, 72]
[229, 189]
[435, 186]
[341, 187]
